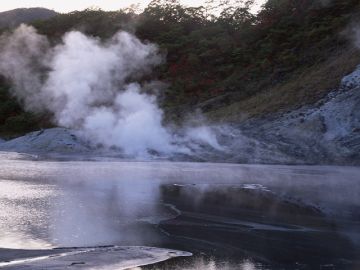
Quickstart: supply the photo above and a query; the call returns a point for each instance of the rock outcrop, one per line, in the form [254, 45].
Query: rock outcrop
[327, 132]
[57, 140]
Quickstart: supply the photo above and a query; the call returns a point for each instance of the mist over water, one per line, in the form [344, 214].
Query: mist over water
[280, 210]
[95, 87]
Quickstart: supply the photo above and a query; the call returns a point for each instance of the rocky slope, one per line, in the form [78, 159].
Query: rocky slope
[327, 132]
[58, 140]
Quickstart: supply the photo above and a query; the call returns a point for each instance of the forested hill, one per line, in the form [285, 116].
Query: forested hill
[292, 52]
[15, 17]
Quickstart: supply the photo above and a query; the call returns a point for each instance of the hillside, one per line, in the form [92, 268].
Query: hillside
[233, 67]
[15, 17]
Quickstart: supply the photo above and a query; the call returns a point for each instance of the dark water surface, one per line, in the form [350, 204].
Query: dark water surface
[229, 216]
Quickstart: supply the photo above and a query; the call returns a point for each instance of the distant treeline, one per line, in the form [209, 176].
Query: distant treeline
[221, 49]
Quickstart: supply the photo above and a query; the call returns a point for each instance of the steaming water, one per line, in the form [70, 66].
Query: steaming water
[186, 206]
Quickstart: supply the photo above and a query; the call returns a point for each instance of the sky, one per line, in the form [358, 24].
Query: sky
[71, 5]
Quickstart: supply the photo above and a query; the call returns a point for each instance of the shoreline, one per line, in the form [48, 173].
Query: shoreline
[123, 257]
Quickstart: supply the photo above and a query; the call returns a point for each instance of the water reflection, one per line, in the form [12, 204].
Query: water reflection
[281, 214]
[23, 214]
[93, 212]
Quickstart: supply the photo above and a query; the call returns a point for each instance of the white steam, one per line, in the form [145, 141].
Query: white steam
[92, 86]
[21, 60]
[204, 134]
[133, 123]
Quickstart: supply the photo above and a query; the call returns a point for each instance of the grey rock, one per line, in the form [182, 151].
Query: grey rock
[329, 134]
[326, 133]
[59, 140]
[352, 80]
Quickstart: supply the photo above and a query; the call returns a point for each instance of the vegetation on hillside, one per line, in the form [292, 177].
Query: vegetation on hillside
[13, 120]
[223, 56]
[13, 18]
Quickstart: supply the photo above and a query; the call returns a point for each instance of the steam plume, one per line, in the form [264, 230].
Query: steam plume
[92, 86]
